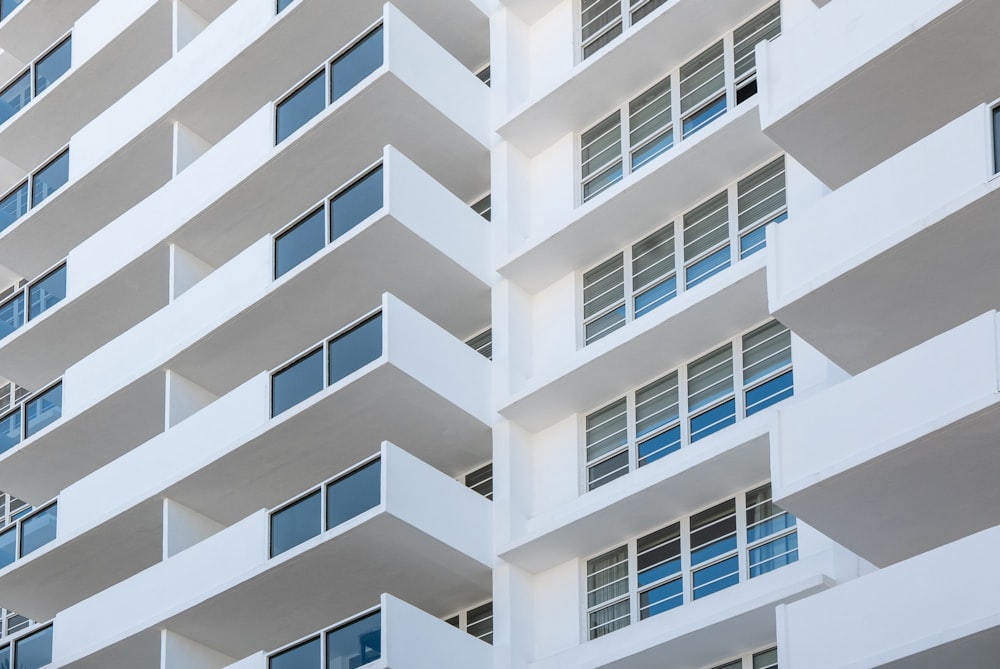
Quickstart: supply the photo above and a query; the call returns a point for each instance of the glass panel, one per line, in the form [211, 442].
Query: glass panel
[761, 195]
[53, 65]
[772, 392]
[996, 139]
[298, 243]
[482, 343]
[294, 111]
[706, 226]
[607, 576]
[609, 619]
[355, 348]
[600, 22]
[35, 650]
[641, 9]
[38, 530]
[607, 470]
[607, 430]
[766, 350]
[649, 123]
[479, 622]
[664, 443]
[737, 664]
[8, 548]
[359, 201]
[50, 178]
[605, 325]
[304, 656]
[363, 58]
[484, 75]
[602, 40]
[600, 155]
[5, 657]
[653, 257]
[704, 116]
[662, 598]
[283, 5]
[14, 206]
[753, 241]
[484, 207]
[354, 494]
[659, 555]
[764, 517]
[299, 380]
[43, 410]
[702, 78]
[355, 644]
[12, 315]
[15, 96]
[767, 659]
[604, 286]
[707, 267]
[655, 296]
[778, 553]
[295, 523]
[710, 378]
[713, 420]
[713, 532]
[764, 26]
[47, 292]
[656, 405]
[481, 481]
[719, 576]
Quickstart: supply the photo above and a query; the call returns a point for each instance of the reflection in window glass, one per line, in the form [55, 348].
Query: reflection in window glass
[15, 96]
[53, 65]
[299, 380]
[14, 206]
[10, 431]
[47, 292]
[299, 242]
[8, 548]
[363, 58]
[43, 410]
[356, 203]
[304, 656]
[283, 5]
[12, 315]
[8, 6]
[38, 530]
[35, 650]
[50, 178]
[354, 494]
[294, 111]
[297, 522]
[355, 644]
[355, 348]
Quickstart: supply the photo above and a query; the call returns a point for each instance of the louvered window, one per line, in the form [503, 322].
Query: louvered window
[604, 298]
[600, 22]
[601, 156]
[764, 26]
[649, 122]
[706, 240]
[703, 89]
[607, 592]
[761, 200]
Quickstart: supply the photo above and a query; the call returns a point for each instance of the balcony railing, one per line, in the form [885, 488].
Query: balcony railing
[326, 506]
[37, 412]
[39, 296]
[337, 77]
[34, 190]
[41, 74]
[349, 644]
[326, 364]
[28, 534]
[32, 651]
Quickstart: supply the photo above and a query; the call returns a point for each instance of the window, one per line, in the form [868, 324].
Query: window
[484, 207]
[689, 559]
[325, 507]
[38, 187]
[40, 296]
[12, 623]
[27, 534]
[481, 480]
[325, 365]
[735, 380]
[737, 216]
[484, 75]
[41, 74]
[32, 651]
[601, 21]
[283, 5]
[42, 410]
[8, 6]
[343, 72]
[345, 646]
[996, 139]
[477, 621]
[349, 206]
[644, 128]
[11, 508]
[765, 659]
[482, 343]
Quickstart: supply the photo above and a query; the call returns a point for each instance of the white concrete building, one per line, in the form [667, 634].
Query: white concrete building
[505, 334]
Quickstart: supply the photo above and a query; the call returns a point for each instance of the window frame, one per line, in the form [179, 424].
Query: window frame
[30, 71]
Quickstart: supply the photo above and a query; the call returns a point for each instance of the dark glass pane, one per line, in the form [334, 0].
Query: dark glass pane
[655, 296]
[355, 644]
[14, 206]
[15, 96]
[35, 650]
[481, 481]
[774, 554]
[662, 444]
[700, 119]
[996, 139]
[5, 657]
[355, 348]
[363, 58]
[769, 393]
[38, 530]
[10, 431]
[652, 149]
[8, 548]
[658, 555]
[358, 202]
[753, 241]
[608, 470]
[296, 244]
[661, 598]
[605, 325]
[43, 410]
[746, 91]
[50, 178]
[303, 656]
[479, 622]
[297, 522]
[12, 315]
[7, 6]
[301, 379]
[47, 292]
[53, 65]
[354, 494]
[713, 420]
[283, 5]
[717, 577]
[708, 267]
[294, 111]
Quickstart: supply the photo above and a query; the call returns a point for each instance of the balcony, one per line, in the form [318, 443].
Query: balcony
[671, 487]
[620, 361]
[401, 232]
[665, 186]
[27, 27]
[703, 632]
[875, 462]
[673, 32]
[884, 58]
[395, 524]
[912, 617]
[855, 275]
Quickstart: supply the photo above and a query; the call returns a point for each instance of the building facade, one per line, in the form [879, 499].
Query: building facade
[513, 334]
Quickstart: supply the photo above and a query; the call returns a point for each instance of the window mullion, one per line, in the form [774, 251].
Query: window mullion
[686, 579]
[741, 536]
[729, 69]
[733, 211]
[738, 378]
[624, 144]
[629, 287]
[682, 405]
[633, 581]
[626, 15]
[633, 441]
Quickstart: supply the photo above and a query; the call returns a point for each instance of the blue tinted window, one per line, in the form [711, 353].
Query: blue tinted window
[7, 6]
[34, 651]
[294, 111]
[661, 598]
[53, 65]
[708, 267]
[769, 393]
[774, 554]
[5, 657]
[15, 96]
[10, 431]
[712, 550]
[301, 379]
[354, 494]
[355, 204]
[697, 121]
[50, 178]
[297, 522]
[43, 410]
[12, 315]
[660, 445]
[38, 530]
[713, 420]
[355, 348]
[8, 549]
[996, 139]
[654, 148]
[606, 324]
[47, 292]
[14, 206]
[364, 58]
[283, 5]
[355, 644]
[772, 526]
[603, 180]
[304, 656]
[655, 296]
[719, 576]
[299, 242]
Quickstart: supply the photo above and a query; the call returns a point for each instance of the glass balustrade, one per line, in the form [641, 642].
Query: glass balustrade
[34, 190]
[41, 74]
[30, 417]
[29, 533]
[349, 645]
